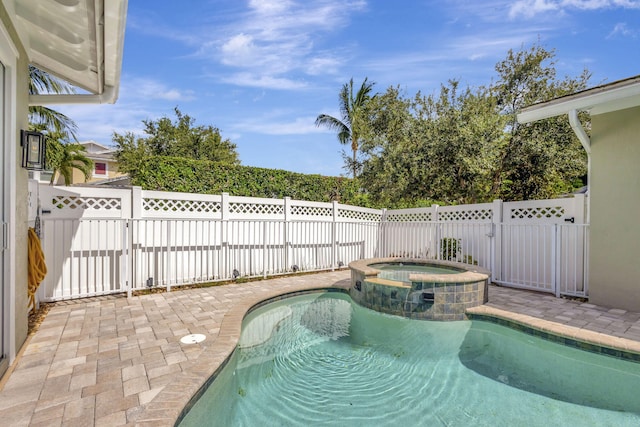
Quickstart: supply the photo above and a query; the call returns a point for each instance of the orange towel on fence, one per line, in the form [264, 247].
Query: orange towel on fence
[37, 267]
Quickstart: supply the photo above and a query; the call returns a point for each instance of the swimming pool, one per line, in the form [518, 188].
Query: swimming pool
[319, 359]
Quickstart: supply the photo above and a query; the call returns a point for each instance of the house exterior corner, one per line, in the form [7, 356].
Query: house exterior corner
[614, 258]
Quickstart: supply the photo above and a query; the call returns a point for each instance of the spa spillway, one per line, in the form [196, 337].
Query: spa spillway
[417, 288]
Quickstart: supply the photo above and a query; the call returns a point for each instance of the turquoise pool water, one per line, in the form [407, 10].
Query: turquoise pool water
[319, 360]
[401, 271]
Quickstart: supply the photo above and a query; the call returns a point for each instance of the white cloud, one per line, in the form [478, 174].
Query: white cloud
[153, 89]
[322, 65]
[270, 124]
[623, 30]
[99, 122]
[277, 39]
[263, 81]
[531, 8]
[139, 99]
[273, 7]
[239, 50]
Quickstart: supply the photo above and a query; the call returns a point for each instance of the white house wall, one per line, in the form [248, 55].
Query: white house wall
[14, 299]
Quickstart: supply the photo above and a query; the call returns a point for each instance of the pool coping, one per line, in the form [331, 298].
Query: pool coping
[583, 339]
[467, 273]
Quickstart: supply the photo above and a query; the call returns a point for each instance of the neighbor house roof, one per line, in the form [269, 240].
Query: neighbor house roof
[598, 100]
[93, 147]
[80, 41]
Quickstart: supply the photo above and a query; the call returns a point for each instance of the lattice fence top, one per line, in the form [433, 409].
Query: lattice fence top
[537, 212]
[192, 206]
[256, 208]
[359, 215]
[409, 217]
[63, 202]
[466, 215]
[311, 211]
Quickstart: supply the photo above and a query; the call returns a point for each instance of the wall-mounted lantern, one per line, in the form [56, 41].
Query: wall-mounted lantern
[33, 148]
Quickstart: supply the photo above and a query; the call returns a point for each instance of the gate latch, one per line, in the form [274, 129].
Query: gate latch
[571, 220]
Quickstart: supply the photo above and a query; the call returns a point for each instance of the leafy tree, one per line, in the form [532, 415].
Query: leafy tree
[544, 158]
[348, 126]
[41, 82]
[431, 147]
[462, 131]
[392, 157]
[179, 138]
[465, 145]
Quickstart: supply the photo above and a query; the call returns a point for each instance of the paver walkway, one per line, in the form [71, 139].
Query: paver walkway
[117, 361]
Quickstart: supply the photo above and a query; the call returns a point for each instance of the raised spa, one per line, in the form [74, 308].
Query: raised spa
[417, 288]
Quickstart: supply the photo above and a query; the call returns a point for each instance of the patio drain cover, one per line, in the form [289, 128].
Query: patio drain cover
[192, 339]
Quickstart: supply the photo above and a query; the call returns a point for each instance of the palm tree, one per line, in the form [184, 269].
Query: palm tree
[350, 109]
[41, 82]
[63, 157]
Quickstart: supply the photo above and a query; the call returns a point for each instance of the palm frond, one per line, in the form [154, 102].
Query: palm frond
[334, 124]
[43, 117]
[41, 82]
[351, 108]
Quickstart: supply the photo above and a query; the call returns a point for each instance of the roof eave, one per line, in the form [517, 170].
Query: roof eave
[599, 100]
[82, 45]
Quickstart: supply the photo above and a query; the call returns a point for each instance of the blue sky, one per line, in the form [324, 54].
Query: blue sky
[261, 71]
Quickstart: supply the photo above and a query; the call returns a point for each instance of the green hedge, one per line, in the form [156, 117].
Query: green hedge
[205, 177]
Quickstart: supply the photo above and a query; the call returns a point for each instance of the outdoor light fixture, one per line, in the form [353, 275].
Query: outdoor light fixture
[33, 149]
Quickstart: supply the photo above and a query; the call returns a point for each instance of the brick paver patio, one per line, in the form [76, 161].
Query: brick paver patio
[111, 361]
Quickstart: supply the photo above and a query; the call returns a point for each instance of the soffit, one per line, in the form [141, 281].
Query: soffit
[80, 41]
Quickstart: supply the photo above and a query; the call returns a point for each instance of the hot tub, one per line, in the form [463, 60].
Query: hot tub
[418, 288]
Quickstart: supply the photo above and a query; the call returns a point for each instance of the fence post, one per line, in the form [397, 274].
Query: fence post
[134, 213]
[264, 249]
[285, 231]
[579, 208]
[125, 258]
[334, 235]
[224, 232]
[495, 238]
[436, 221]
[381, 247]
[136, 202]
[128, 211]
[554, 261]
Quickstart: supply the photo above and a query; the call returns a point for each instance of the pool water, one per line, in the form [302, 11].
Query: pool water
[397, 271]
[320, 360]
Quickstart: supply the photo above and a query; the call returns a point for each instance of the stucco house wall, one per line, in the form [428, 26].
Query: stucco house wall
[614, 258]
[16, 183]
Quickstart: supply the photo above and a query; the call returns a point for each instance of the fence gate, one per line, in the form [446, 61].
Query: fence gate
[543, 246]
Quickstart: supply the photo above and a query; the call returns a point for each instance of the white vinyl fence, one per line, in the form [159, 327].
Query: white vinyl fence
[101, 241]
